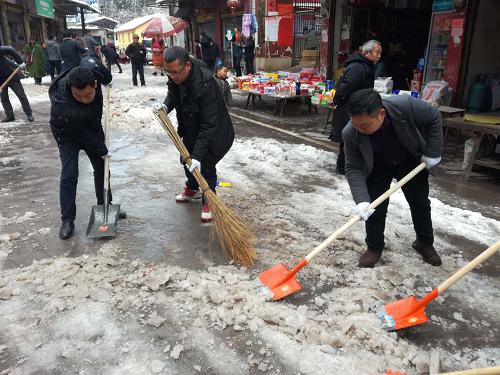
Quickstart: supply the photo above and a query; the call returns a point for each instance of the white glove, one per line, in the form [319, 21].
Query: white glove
[361, 209]
[22, 65]
[157, 107]
[430, 162]
[108, 155]
[194, 164]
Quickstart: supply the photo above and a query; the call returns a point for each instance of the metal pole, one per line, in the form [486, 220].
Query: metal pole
[82, 18]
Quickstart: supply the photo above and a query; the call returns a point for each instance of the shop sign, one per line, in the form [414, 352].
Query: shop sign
[44, 8]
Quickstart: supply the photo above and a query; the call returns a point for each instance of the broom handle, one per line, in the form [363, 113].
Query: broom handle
[356, 218]
[469, 267]
[476, 371]
[6, 82]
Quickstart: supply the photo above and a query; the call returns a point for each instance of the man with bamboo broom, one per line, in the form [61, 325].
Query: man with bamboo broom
[203, 121]
[385, 140]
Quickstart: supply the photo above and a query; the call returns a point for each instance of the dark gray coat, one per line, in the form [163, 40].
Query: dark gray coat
[418, 126]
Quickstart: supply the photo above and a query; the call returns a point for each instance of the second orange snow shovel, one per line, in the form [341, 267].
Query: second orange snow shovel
[410, 312]
[280, 282]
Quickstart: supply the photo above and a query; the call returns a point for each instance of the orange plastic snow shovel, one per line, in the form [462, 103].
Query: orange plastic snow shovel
[475, 371]
[280, 282]
[410, 312]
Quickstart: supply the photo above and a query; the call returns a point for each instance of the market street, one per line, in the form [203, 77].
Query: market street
[161, 297]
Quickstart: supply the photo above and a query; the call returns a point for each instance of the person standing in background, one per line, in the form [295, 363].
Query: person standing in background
[237, 51]
[207, 51]
[158, 48]
[91, 45]
[249, 54]
[109, 52]
[34, 57]
[54, 57]
[71, 51]
[137, 53]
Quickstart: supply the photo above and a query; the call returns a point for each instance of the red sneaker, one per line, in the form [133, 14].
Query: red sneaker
[187, 195]
[206, 215]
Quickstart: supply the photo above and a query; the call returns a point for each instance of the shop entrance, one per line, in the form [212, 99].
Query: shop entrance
[228, 24]
[403, 33]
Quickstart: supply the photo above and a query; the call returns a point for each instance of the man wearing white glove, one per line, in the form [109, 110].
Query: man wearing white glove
[385, 140]
[203, 121]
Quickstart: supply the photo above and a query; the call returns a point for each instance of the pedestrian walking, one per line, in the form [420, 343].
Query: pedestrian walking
[249, 54]
[203, 120]
[221, 80]
[137, 53]
[34, 57]
[359, 73]
[71, 51]
[10, 61]
[109, 52]
[158, 48]
[237, 51]
[387, 139]
[75, 120]
[54, 57]
[91, 45]
[208, 52]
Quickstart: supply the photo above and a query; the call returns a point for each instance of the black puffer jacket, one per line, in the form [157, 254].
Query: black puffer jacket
[203, 121]
[7, 66]
[71, 53]
[137, 53]
[73, 121]
[359, 73]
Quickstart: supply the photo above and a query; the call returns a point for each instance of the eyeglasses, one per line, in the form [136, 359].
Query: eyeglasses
[177, 73]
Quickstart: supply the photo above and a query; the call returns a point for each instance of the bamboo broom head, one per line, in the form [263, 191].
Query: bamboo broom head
[234, 236]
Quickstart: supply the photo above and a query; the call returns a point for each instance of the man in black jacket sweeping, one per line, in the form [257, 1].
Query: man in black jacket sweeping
[7, 66]
[203, 121]
[385, 140]
[359, 73]
[75, 121]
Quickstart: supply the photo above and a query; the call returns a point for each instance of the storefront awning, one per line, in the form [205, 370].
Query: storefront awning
[103, 23]
[72, 7]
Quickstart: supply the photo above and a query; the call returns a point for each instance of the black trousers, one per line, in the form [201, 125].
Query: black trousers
[54, 68]
[68, 152]
[109, 62]
[416, 192]
[237, 65]
[17, 87]
[208, 171]
[249, 65]
[138, 68]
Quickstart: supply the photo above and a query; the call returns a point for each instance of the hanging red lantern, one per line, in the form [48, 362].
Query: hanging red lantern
[233, 3]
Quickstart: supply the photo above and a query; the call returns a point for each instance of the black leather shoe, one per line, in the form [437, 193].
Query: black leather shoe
[9, 119]
[66, 230]
[429, 254]
[31, 118]
[122, 215]
[369, 258]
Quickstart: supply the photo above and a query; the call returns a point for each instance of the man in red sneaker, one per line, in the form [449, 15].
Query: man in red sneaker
[203, 121]
[385, 140]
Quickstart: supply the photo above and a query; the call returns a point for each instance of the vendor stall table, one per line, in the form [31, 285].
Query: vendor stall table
[478, 131]
[329, 115]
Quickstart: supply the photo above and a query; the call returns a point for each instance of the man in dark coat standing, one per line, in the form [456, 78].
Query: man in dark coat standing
[7, 66]
[138, 54]
[208, 51]
[203, 121]
[71, 51]
[386, 140]
[249, 54]
[53, 51]
[75, 120]
[359, 73]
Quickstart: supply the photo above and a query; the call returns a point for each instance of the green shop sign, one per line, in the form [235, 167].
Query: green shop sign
[45, 8]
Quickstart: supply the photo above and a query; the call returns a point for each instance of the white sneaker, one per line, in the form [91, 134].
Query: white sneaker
[206, 215]
[187, 195]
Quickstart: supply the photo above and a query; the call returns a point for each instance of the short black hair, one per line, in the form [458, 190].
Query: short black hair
[219, 67]
[176, 53]
[81, 77]
[365, 102]
[67, 33]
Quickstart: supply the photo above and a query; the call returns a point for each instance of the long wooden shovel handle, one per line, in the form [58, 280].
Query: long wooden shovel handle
[106, 142]
[469, 267]
[6, 82]
[476, 371]
[372, 205]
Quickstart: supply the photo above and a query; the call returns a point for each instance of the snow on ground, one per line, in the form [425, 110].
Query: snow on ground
[101, 313]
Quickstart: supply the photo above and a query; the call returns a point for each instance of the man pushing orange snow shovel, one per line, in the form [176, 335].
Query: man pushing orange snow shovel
[400, 137]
